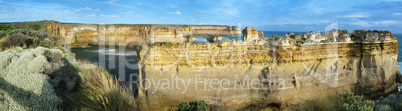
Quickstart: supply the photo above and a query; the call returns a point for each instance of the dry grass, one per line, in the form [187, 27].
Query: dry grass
[100, 91]
[330, 103]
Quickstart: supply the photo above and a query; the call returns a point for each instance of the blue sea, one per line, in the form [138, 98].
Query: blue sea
[399, 37]
[203, 38]
[115, 59]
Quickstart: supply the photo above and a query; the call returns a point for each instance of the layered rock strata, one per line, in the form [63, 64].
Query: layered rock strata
[250, 34]
[233, 75]
[141, 34]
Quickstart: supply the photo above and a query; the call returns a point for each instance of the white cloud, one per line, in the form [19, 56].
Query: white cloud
[110, 2]
[359, 15]
[201, 12]
[362, 23]
[93, 15]
[162, 17]
[103, 15]
[173, 6]
[139, 3]
[177, 12]
[66, 11]
[375, 23]
[397, 13]
[87, 8]
[385, 22]
[229, 8]
[129, 12]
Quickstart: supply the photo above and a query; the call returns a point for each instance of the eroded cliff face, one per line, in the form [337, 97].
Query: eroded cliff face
[141, 34]
[250, 34]
[233, 75]
[55, 28]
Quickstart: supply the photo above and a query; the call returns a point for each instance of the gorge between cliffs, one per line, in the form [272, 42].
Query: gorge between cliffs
[168, 64]
[210, 67]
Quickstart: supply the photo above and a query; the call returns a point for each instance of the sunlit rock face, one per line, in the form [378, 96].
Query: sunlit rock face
[55, 28]
[250, 34]
[141, 34]
[232, 75]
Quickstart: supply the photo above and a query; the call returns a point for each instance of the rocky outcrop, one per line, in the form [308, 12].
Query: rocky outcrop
[190, 38]
[344, 36]
[331, 35]
[141, 34]
[55, 28]
[372, 36]
[231, 75]
[250, 34]
[214, 38]
[208, 29]
[261, 34]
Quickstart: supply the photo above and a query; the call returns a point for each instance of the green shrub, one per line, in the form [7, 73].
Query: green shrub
[26, 82]
[167, 44]
[357, 103]
[28, 91]
[383, 108]
[17, 39]
[363, 89]
[390, 103]
[193, 106]
[27, 34]
[292, 36]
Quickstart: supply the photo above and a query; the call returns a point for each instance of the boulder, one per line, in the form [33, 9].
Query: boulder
[344, 36]
[214, 38]
[291, 33]
[331, 35]
[190, 38]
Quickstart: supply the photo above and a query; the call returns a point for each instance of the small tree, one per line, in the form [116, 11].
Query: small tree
[357, 103]
[193, 106]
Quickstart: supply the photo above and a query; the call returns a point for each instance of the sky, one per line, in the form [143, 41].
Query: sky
[265, 15]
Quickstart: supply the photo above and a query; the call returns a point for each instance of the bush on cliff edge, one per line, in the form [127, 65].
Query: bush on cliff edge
[27, 79]
[101, 91]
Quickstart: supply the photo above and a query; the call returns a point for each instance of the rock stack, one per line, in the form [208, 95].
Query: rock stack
[214, 38]
[250, 34]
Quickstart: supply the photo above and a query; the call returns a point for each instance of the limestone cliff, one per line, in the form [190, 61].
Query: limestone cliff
[231, 75]
[55, 28]
[141, 34]
[250, 34]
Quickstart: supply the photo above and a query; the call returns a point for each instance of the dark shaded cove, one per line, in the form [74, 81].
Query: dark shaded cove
[120, 61]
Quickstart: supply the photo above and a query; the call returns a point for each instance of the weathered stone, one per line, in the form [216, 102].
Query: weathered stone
[344, 36]
[235, 74]
[261, 34]
[331, 35]
[190, 38]
[141, 34]
[291, 33]
[250, 34]
[214, 38]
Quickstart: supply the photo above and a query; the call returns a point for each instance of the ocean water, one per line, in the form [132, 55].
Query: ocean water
[267, 34]
[119, 61]
[122, 61]
[399, 37]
